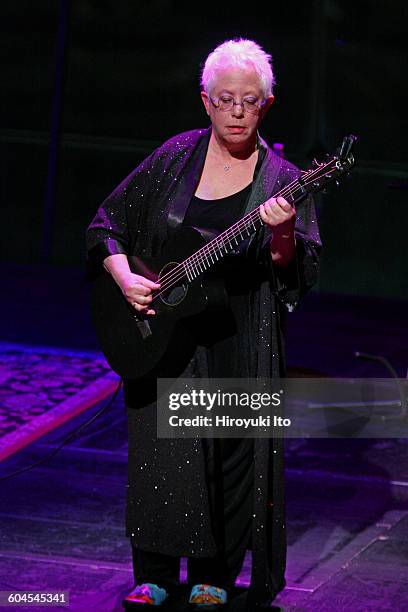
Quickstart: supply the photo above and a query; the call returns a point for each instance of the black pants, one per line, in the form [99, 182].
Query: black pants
[230, 482]
[164, 570]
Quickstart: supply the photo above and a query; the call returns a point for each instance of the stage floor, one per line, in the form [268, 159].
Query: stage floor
[347, 500]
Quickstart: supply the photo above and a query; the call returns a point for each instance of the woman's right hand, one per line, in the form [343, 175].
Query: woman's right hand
[138, 292]
[136, 289]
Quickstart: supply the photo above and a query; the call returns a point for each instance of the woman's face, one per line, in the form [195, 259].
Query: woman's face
[235, 128]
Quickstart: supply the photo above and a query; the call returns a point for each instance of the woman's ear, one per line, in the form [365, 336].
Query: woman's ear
[267, 105]
[206, 101]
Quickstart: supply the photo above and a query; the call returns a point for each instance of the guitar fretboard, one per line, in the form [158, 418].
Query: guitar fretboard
[310, 181]
[229, 239]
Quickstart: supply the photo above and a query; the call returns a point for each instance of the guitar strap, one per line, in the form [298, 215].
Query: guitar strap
[263, 187]
[265, 176]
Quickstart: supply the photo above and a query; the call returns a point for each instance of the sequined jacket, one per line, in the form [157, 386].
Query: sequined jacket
[167, 497]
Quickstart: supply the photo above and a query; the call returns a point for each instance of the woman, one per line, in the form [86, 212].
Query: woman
[211, 500]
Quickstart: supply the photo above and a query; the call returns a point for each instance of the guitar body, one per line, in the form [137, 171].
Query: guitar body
[134, 344]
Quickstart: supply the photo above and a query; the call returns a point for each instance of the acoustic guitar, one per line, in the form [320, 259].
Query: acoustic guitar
[134, 343]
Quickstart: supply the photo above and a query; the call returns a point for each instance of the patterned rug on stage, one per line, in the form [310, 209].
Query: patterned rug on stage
[41, 388]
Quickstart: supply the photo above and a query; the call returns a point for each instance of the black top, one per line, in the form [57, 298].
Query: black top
[218, 331]
[217, 214]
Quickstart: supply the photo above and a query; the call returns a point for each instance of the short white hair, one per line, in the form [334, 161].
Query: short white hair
[239, 53]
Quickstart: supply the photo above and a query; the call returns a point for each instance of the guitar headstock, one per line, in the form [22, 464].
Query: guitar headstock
[346, 148]
[333, 168]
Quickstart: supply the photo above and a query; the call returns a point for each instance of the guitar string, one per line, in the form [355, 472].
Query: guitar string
[197, 258]
[243, 225]
[204, 252]
[240, 227]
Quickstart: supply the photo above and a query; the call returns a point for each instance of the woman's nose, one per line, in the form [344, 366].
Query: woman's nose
[237, 109]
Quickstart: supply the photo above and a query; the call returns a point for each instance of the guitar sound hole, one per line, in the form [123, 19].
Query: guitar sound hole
[174, 295]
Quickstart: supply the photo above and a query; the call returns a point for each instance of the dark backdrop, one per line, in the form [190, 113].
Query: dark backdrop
[130, 80]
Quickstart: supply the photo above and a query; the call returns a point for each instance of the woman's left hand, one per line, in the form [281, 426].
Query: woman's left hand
[279, 215]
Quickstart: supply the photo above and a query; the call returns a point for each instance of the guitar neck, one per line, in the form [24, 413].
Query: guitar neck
[229, 239]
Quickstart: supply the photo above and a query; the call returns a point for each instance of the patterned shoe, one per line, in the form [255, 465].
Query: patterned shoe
[144, 596]
[204, 597]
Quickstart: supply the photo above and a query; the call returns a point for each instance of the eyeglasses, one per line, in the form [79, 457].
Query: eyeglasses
[226, 103]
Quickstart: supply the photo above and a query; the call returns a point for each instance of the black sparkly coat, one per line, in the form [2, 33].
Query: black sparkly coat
[167, 498]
